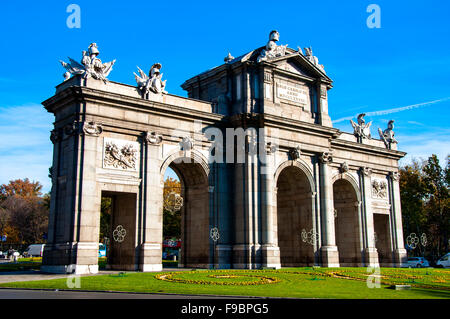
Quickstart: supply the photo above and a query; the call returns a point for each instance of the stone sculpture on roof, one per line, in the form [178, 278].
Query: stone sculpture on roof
[151, 82]
[90, 65]
[361, 129]
[272, 50]
[387, 136]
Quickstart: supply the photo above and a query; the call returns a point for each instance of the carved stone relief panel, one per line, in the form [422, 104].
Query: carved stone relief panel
[379, 188]
[120, 154]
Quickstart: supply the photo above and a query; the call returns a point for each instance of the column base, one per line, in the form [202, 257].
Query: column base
[150, 267]
[71, 258]
[246, 256]
[270, 256]
[330, 256]
[70, 269]
[400, 257]
[371, 257]
[150, 257]
[223, 256]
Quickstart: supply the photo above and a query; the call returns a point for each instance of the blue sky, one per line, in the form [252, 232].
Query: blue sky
[405, 62]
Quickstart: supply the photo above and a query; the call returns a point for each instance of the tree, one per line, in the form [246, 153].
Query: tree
[105, 218]
[23, 212]
[435, 178]
[425, 203]
[23, 188]
[28, 217]
[171, 220]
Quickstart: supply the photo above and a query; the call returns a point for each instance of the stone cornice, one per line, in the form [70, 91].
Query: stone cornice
[364, 148]
[86, 94]
[301, 126]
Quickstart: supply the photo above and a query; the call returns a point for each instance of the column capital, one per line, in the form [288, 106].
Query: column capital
[366, 171]
[55, 136]
[394, 175]
[91, 128]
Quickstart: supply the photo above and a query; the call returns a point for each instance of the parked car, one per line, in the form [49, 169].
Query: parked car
[36, 250]
[444, 261]
[101, 250]
[417, 262]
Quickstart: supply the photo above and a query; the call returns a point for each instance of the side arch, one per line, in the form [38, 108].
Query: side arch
[185, 157]
[351, 179]
[303, 167]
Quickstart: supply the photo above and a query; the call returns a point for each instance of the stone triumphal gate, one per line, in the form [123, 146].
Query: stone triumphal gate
[311, 194]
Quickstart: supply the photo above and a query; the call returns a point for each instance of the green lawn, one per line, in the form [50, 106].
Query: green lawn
[288, 282]
[22, 264]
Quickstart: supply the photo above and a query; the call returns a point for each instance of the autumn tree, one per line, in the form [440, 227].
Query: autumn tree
[171, 219]
[23, 188]
[23, 211]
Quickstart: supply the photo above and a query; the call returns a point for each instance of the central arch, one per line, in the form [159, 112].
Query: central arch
[193, 173]
[294, 214]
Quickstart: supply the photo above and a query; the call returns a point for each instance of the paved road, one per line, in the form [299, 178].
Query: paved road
[51, 294]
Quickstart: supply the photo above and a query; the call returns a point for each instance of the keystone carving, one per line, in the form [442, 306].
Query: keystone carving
[152, 138]
[186, 144]
[326, 157]
[294, 153]
[343, 168]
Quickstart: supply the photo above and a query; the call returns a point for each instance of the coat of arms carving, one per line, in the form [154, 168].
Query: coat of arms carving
[120, 154]
[379, 189]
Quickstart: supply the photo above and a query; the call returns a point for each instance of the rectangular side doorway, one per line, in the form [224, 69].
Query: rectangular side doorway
[121, 248]
[383, 239]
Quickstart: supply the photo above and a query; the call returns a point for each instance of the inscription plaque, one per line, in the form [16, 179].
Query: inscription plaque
[292, 93]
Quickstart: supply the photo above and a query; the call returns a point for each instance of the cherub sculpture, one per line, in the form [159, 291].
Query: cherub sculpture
[313, 59]
[90, 65]
[387, 136]
[152, 82]
[361, 129]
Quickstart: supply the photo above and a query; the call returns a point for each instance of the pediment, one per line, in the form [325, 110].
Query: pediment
[298, 64]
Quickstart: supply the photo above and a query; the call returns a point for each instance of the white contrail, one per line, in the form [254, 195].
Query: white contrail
[394, 110]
